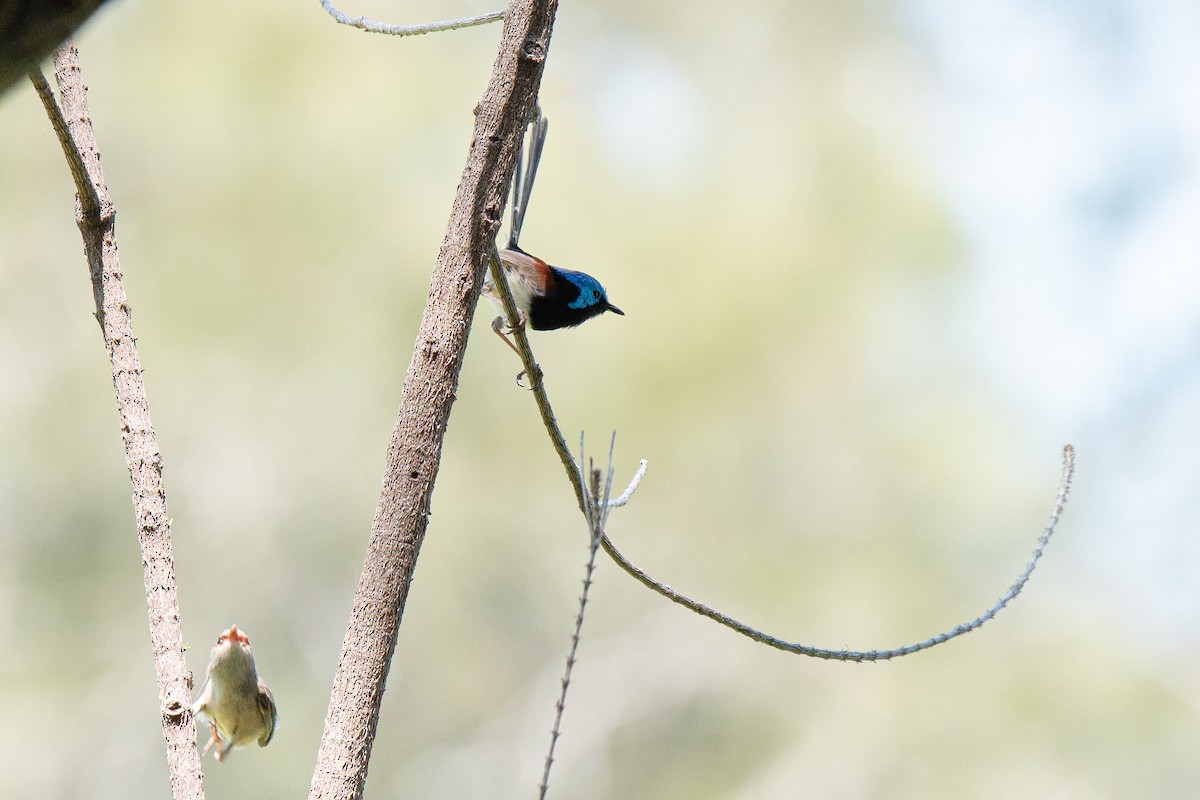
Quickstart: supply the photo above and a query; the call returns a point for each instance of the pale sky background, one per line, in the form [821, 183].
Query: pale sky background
[1068, 138]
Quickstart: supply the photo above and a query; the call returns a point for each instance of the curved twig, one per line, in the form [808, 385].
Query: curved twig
[371, 26]
[631, 488]
[1060, 501]
[538, 386]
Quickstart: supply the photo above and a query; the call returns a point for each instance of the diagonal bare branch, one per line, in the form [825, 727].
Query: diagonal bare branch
[96, 217]
[537, 381]
[430, 384]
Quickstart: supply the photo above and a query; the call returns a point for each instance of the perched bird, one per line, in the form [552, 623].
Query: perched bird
[239, 706]
[547, 297]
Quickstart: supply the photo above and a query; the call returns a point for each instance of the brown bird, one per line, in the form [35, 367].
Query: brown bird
[238, 704]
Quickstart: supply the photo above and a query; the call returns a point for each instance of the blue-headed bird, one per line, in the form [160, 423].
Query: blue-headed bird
[546, 296]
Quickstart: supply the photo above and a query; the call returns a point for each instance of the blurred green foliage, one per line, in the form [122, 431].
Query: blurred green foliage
[827, 459]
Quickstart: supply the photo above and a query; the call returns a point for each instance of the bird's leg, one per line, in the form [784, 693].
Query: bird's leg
[223, 745]
[215, 738]
[498, 327]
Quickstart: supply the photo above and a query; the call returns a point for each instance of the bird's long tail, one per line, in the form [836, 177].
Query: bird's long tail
[527, 163]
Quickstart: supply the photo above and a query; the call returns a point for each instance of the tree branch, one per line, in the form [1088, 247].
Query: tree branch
[371, 26]
[1064, 487]
[537, 381]
[96, 217]
[415, 449]
[597, 516]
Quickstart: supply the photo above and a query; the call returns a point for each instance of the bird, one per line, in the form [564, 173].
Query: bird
[547, 297]
[238, 704]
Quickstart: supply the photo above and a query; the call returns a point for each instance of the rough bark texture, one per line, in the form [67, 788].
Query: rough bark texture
[429, 390]
[96, 218]
[31, 29]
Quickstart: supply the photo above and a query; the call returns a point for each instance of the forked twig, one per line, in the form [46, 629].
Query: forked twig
[89, 196]
[371, 26]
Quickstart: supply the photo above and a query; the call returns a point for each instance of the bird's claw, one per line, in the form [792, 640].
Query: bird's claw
[214, 738]
[522, 374]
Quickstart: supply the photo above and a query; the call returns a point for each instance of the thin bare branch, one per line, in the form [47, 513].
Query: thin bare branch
[538, 386]
[371, 26]
[1060, 501]
[89, 195]
[596, 516]
[631, 488]
[96, 217]
[536, 380]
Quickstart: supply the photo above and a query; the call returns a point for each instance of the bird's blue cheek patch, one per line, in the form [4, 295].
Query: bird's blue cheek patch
[586, 298]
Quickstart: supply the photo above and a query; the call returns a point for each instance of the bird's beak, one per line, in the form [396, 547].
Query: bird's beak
[615, 310]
